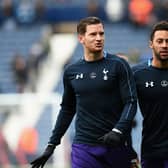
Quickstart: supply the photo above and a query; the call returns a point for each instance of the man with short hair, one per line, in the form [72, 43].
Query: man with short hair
[102, 93]
[152, 88]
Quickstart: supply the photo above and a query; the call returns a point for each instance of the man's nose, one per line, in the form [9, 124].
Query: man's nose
[98, 37]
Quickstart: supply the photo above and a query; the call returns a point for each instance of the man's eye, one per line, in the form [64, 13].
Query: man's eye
[160, 41]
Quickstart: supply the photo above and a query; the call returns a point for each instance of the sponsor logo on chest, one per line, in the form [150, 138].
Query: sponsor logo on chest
[151, 84]
[93, 75]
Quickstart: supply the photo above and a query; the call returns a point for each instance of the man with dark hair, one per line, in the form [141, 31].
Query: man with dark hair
[152, 88]
[102, 93]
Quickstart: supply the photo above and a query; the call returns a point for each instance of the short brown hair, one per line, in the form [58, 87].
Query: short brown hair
[162, 25]
[81, 27]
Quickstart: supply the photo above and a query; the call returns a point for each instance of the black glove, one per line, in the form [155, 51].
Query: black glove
[113, 139]
[40, 161]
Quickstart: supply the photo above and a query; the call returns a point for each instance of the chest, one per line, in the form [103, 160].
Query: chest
[94, 79]
[152, 85]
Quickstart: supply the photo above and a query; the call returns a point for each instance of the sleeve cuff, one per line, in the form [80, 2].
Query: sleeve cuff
[116, 130]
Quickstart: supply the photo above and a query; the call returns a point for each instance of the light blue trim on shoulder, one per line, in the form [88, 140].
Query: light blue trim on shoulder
[149, 62]
[105, 54]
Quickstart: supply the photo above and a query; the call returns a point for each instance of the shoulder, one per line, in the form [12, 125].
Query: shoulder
[117, 59]
[73, 66]
[140, 67]
[120, 64]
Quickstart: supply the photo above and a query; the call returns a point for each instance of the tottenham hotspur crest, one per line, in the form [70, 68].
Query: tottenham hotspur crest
[105, 74]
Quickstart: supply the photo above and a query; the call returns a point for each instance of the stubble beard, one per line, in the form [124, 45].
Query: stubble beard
[159, 57]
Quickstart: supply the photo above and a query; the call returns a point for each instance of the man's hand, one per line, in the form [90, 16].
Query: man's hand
[135, 163]
[112, 138]
[40, 161]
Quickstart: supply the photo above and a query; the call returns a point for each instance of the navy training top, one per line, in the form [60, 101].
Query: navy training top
[102, 94]
[152, 90]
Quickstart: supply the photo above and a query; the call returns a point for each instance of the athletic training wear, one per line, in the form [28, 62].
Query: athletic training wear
[154, 163]
[102, 94]
[86, 156]
[152, 90]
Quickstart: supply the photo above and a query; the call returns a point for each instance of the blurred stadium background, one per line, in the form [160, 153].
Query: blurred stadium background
[37, 40]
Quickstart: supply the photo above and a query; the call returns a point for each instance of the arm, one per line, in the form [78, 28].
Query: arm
[129, 97]
[66, 113]
[64, 119]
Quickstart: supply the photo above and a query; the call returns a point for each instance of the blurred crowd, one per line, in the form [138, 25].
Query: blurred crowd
[16, 13]
[138, 12]
[26, 68]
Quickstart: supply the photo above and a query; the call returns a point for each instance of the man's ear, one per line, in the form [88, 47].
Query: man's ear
[80, 38]
[150, 44]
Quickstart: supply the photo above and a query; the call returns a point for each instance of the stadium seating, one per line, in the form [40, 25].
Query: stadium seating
[18, 40]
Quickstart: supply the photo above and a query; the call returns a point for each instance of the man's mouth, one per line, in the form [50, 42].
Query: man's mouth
[164, 52]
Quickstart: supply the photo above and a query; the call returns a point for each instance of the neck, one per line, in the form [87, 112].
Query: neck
[93, 56]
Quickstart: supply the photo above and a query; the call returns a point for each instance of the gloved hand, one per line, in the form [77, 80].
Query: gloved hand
[135, 163]
[134, 158]
[112, 138]
[40, 161]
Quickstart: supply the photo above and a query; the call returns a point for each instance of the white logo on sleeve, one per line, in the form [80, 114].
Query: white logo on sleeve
[149, 84]
[105, 74]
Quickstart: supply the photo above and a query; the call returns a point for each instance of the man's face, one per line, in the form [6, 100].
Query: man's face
[93, 39]
[159, 45]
